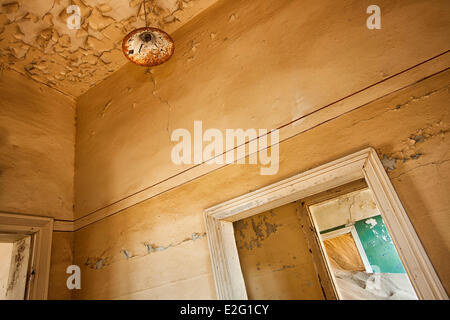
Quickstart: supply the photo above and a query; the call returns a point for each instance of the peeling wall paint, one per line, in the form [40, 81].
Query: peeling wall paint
[184, 271]
[151, 247]
[250, 233]
[378, 246]
[411, 147]
[242, 74]
[219, 70]
[107, 257]
[35, 39]
[274, 256]
[346, 210]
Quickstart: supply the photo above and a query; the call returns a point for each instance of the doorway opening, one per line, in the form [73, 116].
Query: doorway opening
[356, 246]
[274, 256]
[25, 248]
[15, 254]
[281, 255]
[336, 178]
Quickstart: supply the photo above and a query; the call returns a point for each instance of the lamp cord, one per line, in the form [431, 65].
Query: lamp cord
[145, 13]
[146, 25]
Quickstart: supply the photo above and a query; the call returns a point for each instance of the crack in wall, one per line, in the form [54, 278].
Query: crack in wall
[104, 259]
[162, 100]
[411, 149]
[98, 262]
[410, 101]
[432, 163]
[151, 247]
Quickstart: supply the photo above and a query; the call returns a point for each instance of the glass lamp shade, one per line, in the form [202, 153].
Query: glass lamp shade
[148, 46]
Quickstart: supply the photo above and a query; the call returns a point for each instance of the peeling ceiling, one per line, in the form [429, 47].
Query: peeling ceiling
[35, 39]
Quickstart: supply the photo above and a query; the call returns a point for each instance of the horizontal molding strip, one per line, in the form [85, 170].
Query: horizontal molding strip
[63, 226]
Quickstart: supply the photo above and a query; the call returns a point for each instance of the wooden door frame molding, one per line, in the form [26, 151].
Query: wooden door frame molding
[228, 278]
[41, 230]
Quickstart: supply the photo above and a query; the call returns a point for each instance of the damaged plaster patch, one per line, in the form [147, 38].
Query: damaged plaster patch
[372, 222]
[105, 259]
[411, 147]
[388, 164]
[35, 39]
[410, 101]
[414, 99]
[126, 253]
[99, 264]
[261, 228]
[96, 263]
[419, 138]
[151, 247]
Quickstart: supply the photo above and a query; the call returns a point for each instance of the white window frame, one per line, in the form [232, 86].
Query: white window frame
[359, 246]
[228, 278]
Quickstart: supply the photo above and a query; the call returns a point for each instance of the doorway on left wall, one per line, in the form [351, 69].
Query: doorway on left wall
[15, 253]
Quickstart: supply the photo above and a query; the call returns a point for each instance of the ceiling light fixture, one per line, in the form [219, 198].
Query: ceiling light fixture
[148, 46]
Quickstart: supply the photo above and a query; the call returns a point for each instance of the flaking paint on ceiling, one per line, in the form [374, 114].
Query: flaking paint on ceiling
[35, 39]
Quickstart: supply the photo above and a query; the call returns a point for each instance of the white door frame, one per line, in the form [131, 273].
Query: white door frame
[228, 278]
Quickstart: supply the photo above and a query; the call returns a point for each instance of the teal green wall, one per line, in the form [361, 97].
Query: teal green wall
[378, 246]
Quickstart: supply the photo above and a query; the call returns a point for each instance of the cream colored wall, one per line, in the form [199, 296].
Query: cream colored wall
[241, 64]
[37, 138]
[173, 221]
[255, 64]
[61, 258]
[37, 153]
[275, 258]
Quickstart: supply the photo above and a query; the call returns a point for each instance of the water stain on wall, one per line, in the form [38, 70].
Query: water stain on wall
[252, 232]
[274, 256]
